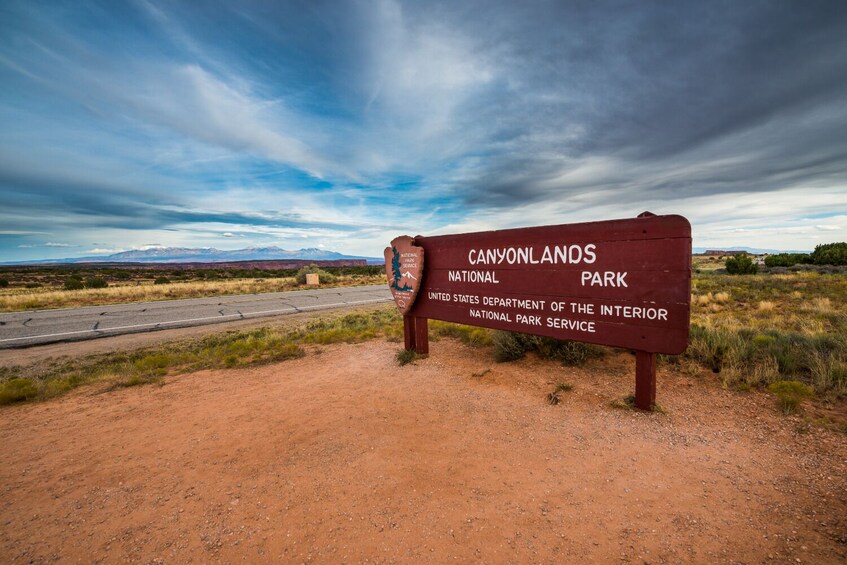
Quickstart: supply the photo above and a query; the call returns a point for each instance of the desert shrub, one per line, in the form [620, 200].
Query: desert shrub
[509, 346]
[4, 283]
[17, 390]
[790, 394]
[123, 275]
[787, 259]
[741, 265]
[96, 282]
[830, 254]
[162, 280]
[325, 277]
[74, 283]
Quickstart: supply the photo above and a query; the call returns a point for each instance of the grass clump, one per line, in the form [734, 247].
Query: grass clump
[469, 335]
[790, 394]
[354, 328]
[17, 390]
[406, 356]
[555, 397]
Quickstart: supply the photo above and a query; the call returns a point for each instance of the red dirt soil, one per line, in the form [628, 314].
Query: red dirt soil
[343, 456]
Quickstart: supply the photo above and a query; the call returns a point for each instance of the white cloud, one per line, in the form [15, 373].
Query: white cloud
[99, 251]
[827, 228]
[228, 234]
[55, 244]
[22, 232]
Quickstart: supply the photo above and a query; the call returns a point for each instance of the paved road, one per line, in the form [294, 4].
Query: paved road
[23, 329]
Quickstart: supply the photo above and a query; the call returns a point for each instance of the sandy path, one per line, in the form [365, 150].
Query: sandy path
[344, 457]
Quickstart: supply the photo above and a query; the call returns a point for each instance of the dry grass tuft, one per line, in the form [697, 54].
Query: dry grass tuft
[822, 304]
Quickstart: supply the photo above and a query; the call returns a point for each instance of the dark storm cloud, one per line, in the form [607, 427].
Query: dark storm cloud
[647, 84]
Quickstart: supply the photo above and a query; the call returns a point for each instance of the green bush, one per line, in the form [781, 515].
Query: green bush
[741, 265]
[405, 356]
[830, 254]
[96, 282]
[787, 259]
[790, 394]
[74, 283]
[4, 283]
[162, 280]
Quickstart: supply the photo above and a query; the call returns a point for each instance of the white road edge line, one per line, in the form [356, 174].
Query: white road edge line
[153, 325]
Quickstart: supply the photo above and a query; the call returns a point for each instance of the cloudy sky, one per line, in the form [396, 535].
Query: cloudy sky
[343, 124]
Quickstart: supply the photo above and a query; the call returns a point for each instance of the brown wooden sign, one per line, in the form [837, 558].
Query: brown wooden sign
[622, 283]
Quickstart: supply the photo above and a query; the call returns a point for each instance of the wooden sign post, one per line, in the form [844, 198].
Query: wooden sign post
[621, 283]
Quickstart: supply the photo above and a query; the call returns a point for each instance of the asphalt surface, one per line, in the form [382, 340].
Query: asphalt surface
[25, 329]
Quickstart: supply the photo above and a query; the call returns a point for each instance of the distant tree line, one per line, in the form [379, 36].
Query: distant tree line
[824, 254]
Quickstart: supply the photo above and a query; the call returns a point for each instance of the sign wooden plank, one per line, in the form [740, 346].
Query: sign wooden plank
[622, 283]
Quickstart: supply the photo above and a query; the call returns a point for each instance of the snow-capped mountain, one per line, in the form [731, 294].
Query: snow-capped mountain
[210, 255]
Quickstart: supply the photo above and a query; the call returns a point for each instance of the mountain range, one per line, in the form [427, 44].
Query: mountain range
[205, 255]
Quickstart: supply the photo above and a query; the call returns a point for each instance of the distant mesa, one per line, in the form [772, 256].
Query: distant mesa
[211, 255]
[739, 250]
[719, 252]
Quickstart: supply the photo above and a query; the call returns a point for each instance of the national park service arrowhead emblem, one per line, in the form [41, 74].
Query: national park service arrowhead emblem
[404, 267]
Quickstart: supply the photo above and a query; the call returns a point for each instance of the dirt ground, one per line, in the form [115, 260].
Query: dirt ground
[342, 456]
